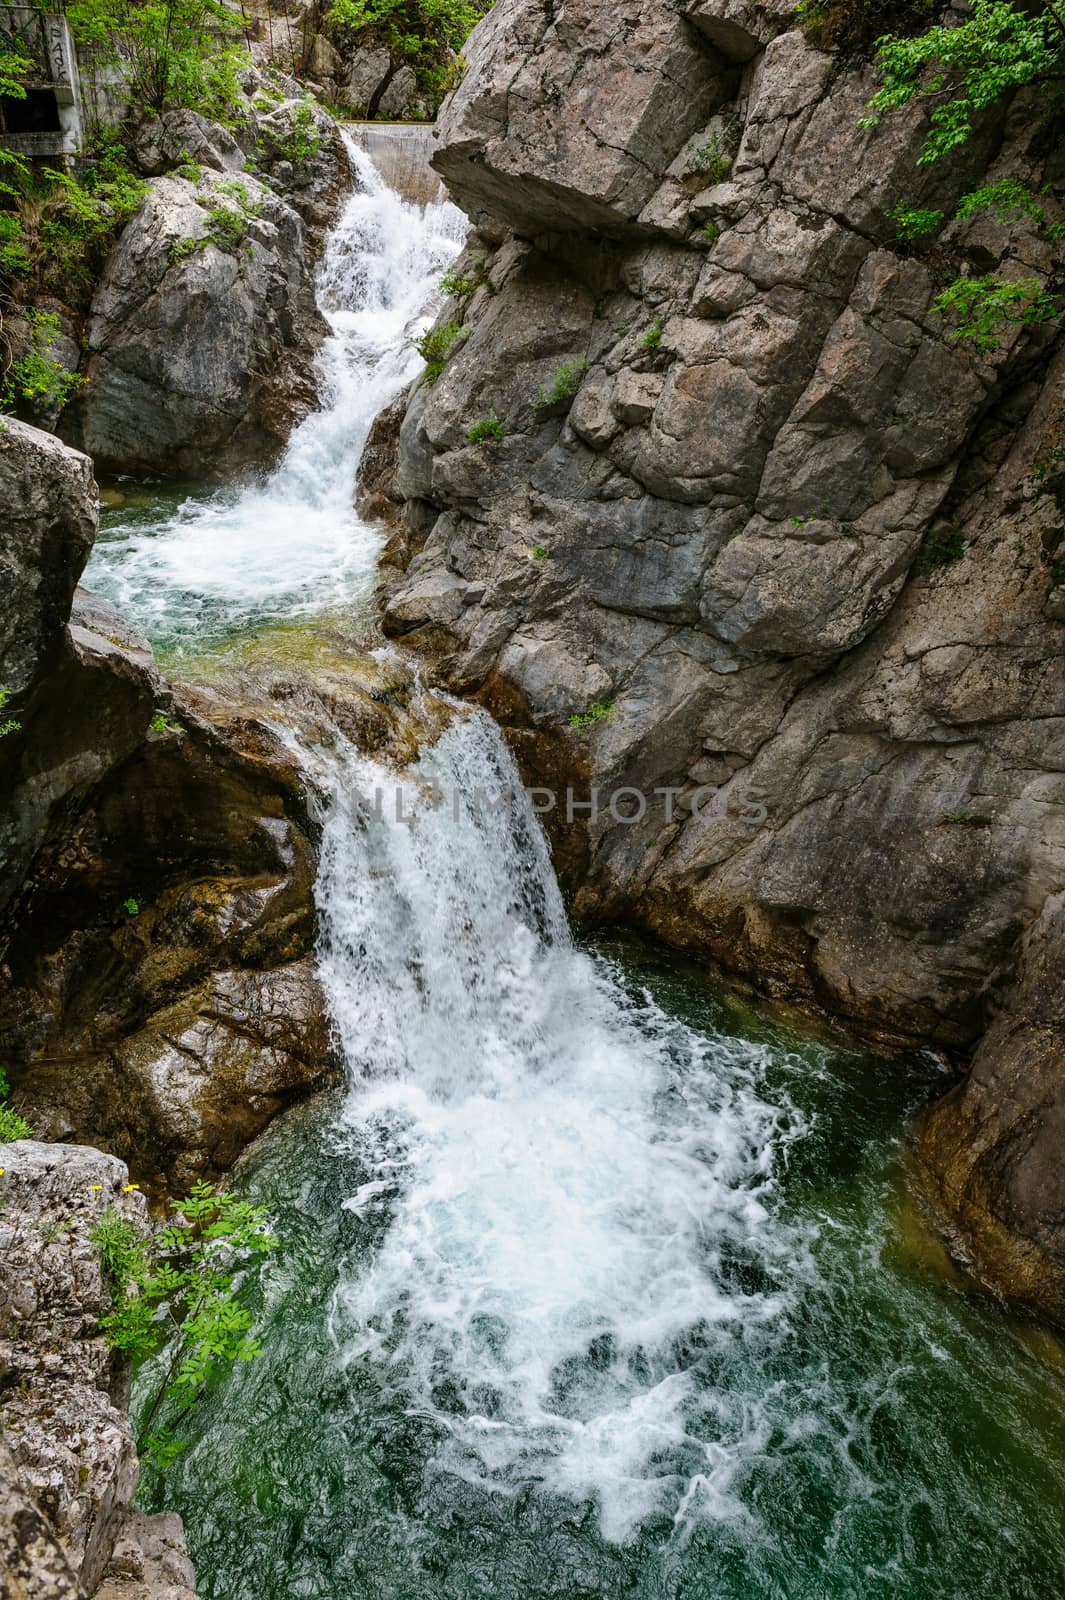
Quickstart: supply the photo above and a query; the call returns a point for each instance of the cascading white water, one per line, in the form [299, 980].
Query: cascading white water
[293, 546]
[571, 1183]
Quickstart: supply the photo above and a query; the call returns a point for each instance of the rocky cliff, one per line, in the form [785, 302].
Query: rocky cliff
[747, 525]
[68, 1463]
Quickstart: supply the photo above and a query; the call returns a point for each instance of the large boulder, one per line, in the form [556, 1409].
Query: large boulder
[203, 319]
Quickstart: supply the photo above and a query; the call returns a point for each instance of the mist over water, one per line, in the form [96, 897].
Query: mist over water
[292, 545]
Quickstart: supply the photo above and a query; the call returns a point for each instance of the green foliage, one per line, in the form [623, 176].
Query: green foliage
[854, 27]
[488, 429]
[986, 307]
[159, 724]
[598, 711]
[963, 69]
[963, 819]
[1007, 200]
[131, 907]
[567, 381]
[301, 144]
[37, 376]
[429, 34]
[539, 553]
[912, 223]
[652, 339]
[713, 158]
[456, 283]
[177, 1287]
[182, 249]
[190, 169]
[435, 346]
[944, 545]
[227, 223]
[711, 232]
[171, 52]
[12, 1126]
[8, 725]
[59, 228]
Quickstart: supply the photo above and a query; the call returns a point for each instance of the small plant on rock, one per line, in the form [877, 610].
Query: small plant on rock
[597, 712]
[9, 725]
[986, 307]
[713, 158]
[177, 1288]
[37, 376]
[12, 1126]
[710, 232]
[462, 285]
[488, 431]
[567, 381]
[652, 339]
[435, 347]
[944, 546]
[913, 223]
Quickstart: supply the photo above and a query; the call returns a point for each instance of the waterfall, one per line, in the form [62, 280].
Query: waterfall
[293, 545]
[401, 152]
[574, 1189]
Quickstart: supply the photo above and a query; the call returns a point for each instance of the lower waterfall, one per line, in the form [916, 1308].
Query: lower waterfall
[596, 1280]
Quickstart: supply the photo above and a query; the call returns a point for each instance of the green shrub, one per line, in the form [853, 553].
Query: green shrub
[964, 68]
[171, 52]
[711, 232]
[177, 1288]
[436, 346]
[37, 376]
[986, 307]
[61, 228]
[429, 34]
[131, 906]
[598, 711]
[566, 382]
[912, 223]
[539, 553]
[301, 144]
[943, 546]
[713, 158]
[460, 285]
[12, 1126]
[652, 339]
[8, 725]
[182, 249]
[488, 429]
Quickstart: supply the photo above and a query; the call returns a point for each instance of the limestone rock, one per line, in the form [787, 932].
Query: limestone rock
[402, 89]
[32, 1563]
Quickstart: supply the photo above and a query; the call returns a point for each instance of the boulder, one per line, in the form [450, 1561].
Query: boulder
[397, 98]
[370, 69]
[204, 312]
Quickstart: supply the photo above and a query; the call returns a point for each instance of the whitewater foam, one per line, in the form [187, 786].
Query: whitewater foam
[293, 545]
[575, 1189]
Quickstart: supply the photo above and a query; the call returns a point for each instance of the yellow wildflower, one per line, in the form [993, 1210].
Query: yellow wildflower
[129, 1187]
[96, 1188]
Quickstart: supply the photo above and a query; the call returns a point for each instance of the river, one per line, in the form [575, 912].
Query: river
[595, 1280]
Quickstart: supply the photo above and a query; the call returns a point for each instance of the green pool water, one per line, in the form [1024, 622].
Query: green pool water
[906, 1437]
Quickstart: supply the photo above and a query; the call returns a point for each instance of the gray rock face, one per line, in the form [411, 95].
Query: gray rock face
[733, 422]
[205, 289]
[62, 1392]
[82, 702]
[204, 325]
